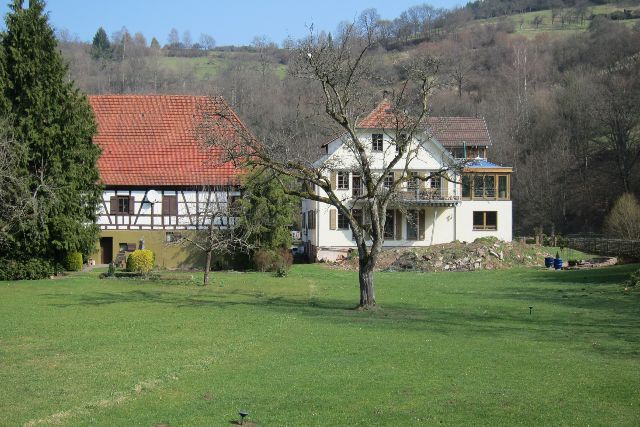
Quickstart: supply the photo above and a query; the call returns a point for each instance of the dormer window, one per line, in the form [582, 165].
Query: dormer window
[376, 142]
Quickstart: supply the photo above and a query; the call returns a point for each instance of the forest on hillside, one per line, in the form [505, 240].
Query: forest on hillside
[563, 108]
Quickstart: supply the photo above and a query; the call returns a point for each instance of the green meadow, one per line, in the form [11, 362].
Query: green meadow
[442, 348]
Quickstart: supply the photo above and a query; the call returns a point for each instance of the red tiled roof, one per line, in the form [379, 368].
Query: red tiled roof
[449, 131]
[151, 140]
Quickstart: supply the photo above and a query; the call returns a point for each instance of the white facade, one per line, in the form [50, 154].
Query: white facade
[448, 214]
[167, 210]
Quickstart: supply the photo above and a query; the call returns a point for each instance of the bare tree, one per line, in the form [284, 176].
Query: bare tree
[207, 41]
[173, 40]
[218, 231]
[343, 76]
[186, 39]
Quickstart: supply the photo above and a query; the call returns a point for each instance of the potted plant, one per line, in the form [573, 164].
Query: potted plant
[557, 263]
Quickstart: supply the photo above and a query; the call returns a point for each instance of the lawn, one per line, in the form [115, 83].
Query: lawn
[443, 348]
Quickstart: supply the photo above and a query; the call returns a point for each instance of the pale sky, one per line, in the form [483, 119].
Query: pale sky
[229, 22]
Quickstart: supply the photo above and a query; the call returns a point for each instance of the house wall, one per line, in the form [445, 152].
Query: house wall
[148, 222]
[442, 224]
[464, 220]
[166, 256]
[430, 157]
[148, 216]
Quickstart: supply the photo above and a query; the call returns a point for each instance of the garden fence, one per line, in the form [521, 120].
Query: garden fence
[604, 246]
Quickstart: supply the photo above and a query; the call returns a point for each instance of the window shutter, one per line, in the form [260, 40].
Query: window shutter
[421, 224]
[444, 187]
[166, 207]
[113, 201]
[170, 205]
[334, 178]
[333, 220]
[131, 205]
[398, 224]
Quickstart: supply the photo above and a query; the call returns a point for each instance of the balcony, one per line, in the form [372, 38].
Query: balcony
[426, 197]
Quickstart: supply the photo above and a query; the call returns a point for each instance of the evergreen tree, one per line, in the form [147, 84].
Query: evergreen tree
[155, 45]
[268, 210]
[54, 125]
[101, 48]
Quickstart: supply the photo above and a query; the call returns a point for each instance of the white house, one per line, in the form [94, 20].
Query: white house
[463, 205]
[158, 178]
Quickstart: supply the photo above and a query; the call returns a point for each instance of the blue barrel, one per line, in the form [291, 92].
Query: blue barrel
[548, 261]
[557, 263]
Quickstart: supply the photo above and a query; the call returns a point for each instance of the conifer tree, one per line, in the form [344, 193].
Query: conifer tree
[54, 125]
[268, 210]
[100, 47]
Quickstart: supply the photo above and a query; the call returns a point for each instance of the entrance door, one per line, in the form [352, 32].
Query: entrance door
[106, 249]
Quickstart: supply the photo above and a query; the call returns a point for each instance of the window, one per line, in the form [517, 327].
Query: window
[121, 205]
[170, 237]
[413, 182]
[343, 223]
[466, 186]
[503, 192]
[311, 220]
[376, 142]
[478, 186]
[458, 153]
[434, 182]
[412, 225]
[356, 185]
[169, 205]
[490, 186]
[389, 225]
[343, 180]
[485, 186]
[485, 220]
[127, 247]
[388, 180]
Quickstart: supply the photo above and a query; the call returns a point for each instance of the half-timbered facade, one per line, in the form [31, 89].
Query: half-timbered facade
[159, 178]
[462, 205]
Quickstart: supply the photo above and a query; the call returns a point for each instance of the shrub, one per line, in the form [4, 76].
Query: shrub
[141, 261]
[30, 269]
[278, 261]
[488, 240]
[623, 221]
[634, 280]
[112, 269]
[73, 261]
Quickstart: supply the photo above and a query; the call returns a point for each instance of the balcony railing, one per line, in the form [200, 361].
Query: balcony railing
[426, 195]
[416, 195]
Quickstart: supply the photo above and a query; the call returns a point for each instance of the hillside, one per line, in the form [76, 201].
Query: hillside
[561, 22]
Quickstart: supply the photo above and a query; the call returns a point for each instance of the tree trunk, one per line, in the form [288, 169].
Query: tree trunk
[207, 268]
[365, 277]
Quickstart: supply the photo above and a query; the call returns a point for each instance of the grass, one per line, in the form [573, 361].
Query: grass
[210, 66]
[443, 348]
[523, 22]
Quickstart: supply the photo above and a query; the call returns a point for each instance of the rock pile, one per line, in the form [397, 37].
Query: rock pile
[483, 254]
